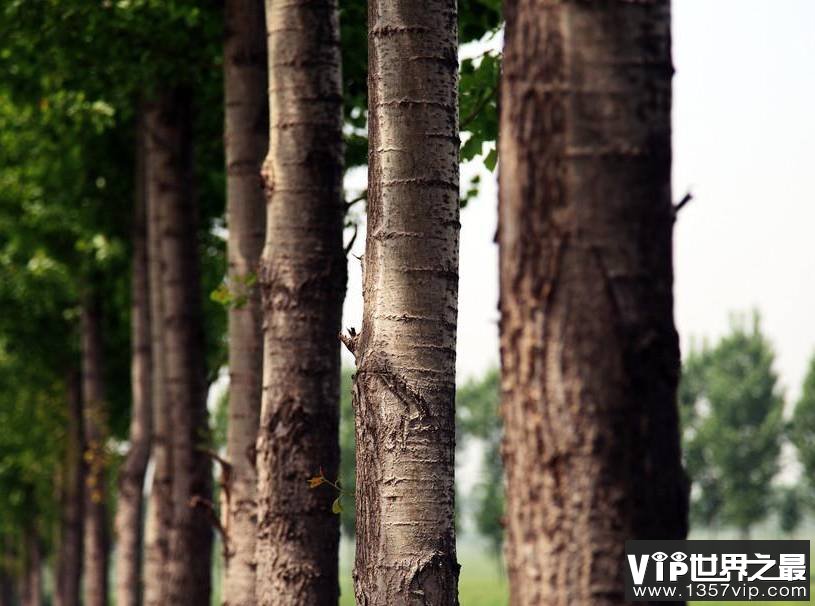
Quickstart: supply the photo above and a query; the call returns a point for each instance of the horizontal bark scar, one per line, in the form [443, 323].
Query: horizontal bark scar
[421, 181]
[390, 30]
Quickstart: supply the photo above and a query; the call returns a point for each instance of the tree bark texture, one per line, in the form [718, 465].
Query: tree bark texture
[589, 351]
[160, 505]
[97, 541]
[129, 506]
[190, 545]
[404, 390]
[70, 548]
[246, 142]
[303, 277]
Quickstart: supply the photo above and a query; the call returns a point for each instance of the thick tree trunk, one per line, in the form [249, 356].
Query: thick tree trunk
[588, 347]
[96, 548]
[404, 390]
[70, 549]
[246, 140]
[160, 506]
[303, 281]
[131, 476]
[191, 532]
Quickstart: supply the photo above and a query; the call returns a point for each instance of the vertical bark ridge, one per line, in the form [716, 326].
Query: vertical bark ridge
[405, 384]
[190, 539]
[589, 351]
[303, 275]
[160, 506]
[70, 549]
[97, 541]
[247, 140]
[129, 507]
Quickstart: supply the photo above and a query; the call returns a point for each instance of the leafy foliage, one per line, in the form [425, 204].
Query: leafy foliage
[802, 434]
[732, 424]
[477, 418]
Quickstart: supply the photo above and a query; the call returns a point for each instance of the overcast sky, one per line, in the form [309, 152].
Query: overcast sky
[744, 144]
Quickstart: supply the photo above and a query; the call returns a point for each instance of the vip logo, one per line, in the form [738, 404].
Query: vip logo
[676, 565]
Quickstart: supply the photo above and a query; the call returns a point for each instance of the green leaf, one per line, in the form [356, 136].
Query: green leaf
[491, 160]
[336, 506]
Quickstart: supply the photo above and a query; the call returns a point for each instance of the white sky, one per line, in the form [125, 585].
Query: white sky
[744, 143]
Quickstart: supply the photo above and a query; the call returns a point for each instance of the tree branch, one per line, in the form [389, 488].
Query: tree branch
[350, 244]
[681, 204]
[478, 108]
[197, 502]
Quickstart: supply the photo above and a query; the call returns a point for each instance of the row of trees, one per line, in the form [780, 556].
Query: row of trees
[112, 113]
[734, 428]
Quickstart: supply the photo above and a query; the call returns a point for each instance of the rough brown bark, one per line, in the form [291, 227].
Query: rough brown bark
[303, 282]
[160, 507]
[97, 543]
[404, 389]
[70, 549]
[589, 351]
[246, 141]
[190, 544]
[129, 506]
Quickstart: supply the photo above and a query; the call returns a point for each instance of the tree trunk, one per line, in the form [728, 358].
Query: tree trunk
[303, 278]
[191, 532]
[8, 596]
[404, 390]
[95, 422]
[31, 591]
[70, 549]
[160, 506]
[7, 593]
[247, 140]
[589, 351]
[131, 476]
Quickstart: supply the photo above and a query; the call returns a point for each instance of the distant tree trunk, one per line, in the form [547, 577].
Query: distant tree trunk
[191, 532]
[31, 591]
[96, 546]
[247, 140]
[70, 548]
[7, 593]
[160, 506]
[131, 476]
[589, 351]
[303, 278]
[404, 390]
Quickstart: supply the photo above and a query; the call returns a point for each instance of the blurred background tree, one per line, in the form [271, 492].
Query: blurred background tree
[732, 424]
